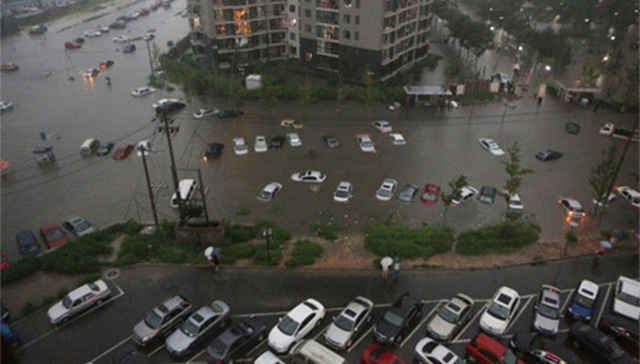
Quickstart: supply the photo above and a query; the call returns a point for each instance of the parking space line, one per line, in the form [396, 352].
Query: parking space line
[461, 341]
[421, 323]
[191, 360]
[156, 350]
[566, 301]
[110, 350]
[250, 352]
[58, 327]
[475, 316]
[519, 314]
[431, 301]
[366, 333]
[262, 314]
[602, 306]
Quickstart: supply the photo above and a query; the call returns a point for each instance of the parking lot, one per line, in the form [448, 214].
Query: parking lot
[101, 334]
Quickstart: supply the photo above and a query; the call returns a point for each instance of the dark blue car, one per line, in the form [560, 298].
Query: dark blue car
[584, 301]
[27, 244]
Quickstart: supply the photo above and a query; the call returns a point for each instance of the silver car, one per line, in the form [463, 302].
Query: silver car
[450, 318]
[200, 326]
[162, 320]
[78, 301]
[351, 321]
[546, 317]
[408, 194]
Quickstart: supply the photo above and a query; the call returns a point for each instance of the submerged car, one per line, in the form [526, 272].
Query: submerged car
[430, 194]
[78, 300]
[142, 91]
[225, 114]
[366, 144]
[408, 194]
[168, 106]
[239, 146]
[331, 141]
[309, 177]
[491, 146]
[104, 148]
[291, 123]
[269, 191]
[214, 151]
[123, 151]
[466, 193]
[397, 139]
[203, 113]
[386, 190]
[343, 192]
[383, 126]
[548, 155]
[260, 145]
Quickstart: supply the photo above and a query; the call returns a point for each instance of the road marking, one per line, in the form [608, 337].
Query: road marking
[250, 352]
[421, 323]
[191, 360]
[519, 314]
[58, 327]
[366, 333]
[475, 316]
[566, 301]
[321, 332]
[604, 303]
[109, 350]
[154, 352]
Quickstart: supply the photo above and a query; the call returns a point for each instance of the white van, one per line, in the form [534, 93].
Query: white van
[626, 298]
[89, 147]
[187, 189]
[310, 352]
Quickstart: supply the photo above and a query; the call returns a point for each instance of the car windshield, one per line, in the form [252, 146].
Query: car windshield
[55, 235]
[498, 311]
[66, 301]
[384, 192]
[393, 319]
[189, 328]
[584, 301]
[344, 323]
[288, 326]
[627, 298]
[509, 357]
[549, 312]
[447, 315]
[153, 320]
[342, 193]
[82, 226]
[265, 194]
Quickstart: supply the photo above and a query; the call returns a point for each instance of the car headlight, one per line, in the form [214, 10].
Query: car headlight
[588, 318]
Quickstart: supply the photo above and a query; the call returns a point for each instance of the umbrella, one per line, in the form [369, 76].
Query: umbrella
[606, 244]
[386, 262]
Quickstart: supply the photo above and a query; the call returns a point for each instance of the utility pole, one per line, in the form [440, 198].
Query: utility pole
[204, 200]
[174, 173]
[267, 235]
[151, 199]
[153, 73]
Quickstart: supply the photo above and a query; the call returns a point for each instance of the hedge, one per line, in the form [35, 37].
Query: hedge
[425, 242]
[502, 238]
[304, 252]
[156, 248]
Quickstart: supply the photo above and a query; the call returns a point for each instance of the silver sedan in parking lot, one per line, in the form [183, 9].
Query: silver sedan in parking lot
[200, 326]
[351, 321]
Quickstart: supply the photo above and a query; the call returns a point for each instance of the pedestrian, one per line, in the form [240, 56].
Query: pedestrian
[539, 100]
[212, 257]
[535, 96]
[385, 263]
[396, 267]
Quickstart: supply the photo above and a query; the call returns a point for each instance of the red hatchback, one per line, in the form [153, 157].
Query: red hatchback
[488, 350]
[430, 194]
[53, 235]
[378, 354]
[4, 262]
[123, 151]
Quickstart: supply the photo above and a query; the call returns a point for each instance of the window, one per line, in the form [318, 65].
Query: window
[307, 13]
[357, 19]
[346, 18]
[346, 34]
[357, 4]
[347, 3]
[307, 27]
[356, 35]
[292, 8]
[292, 36]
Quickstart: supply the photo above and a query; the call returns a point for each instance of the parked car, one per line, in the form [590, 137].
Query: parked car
[121, 39]
[294, 140]
[276, 142]
[331, 141]
[397, 139]
[626, 298]
[161, 320]
[92, 33]
[27, 244]
[428, 351]
[203, 113]
[539, 349]
[546, 314]
[123, 151]
[378, 354]
[383, 126]
[268, 358]
[607, 129]
[398, 320]
[343, 192]
[584, 301]
[72, 45]
[548, 155]
[78, 225]
[583, 335]
[466, 193]
[132, 356]
[365, 143]
[487, 350]
[515, 202]
[292, 123]
[430, 194]
[214, 151]
[104, 148]
[239, 146]
[78, 300]
[501, 311]
[52, 235]
[450, 318]
[309, 177]
[260, 145]
[168, 106]
[572, 207]
[349, 324]
[197, 328]
[386, 190]
[491, 146]
[487, 194]
[295, 325]
[142, 91]
[623, 330]
[408, 194]
[629, 194]
[4, 106]
[269, 191]
[225, 114]
[236, 341]
[129, 48]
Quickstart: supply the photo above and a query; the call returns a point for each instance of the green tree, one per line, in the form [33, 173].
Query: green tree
[455, 186]
[306, 95]
[367, 80]
[514, 171]
[341, 95]
[602, 175]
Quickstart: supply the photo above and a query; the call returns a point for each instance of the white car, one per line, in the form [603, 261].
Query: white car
[366, 144]
[239, 146]
[501, 310]
[294, 140]
[429, 351]
[144, 146]
[491, 146]
[269, 191]
[268, 358]
[397, 139]
[295, 325]
[607, 129]
[4, 105]
[572, 208]
[466, 193]
[203, 113]
[626, 298]
[78, 300]
[260, 145]
[343, 192]
[309, 176]
[142, 91]
[121, 39]
[387, 189]
[629, 194]
[352, 321]
[515, 203]
[383, 126]
[90, 73]
[92, 33]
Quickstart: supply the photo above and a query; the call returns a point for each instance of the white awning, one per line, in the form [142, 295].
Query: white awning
[427, 90]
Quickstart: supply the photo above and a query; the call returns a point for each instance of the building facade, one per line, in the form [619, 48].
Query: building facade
[383, 37]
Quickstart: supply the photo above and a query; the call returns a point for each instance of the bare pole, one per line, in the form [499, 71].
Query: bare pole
[151, 199]
[153, 73]
[204, 200]
[174, 173]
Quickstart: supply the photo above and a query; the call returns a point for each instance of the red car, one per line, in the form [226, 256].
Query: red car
[488, 350]
[378, 354]
[4, 262]
[122, 151]
[72, 45]
[53, 235]
[430, 194]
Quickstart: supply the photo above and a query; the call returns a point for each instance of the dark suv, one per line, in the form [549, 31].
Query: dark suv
[161, 321]
[487, 194]
[399, 320]
[214, 151]
[27, 244]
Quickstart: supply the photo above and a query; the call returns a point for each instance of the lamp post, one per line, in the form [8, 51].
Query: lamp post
[267, 235]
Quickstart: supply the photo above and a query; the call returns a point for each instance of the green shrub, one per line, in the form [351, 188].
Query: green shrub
[502, 238]
[238, 233]
[20, 270]
[231, 253]
[243, 210]
[304, 252]
[425, 242]
[260, 254]
[278, 235]
[326, 230]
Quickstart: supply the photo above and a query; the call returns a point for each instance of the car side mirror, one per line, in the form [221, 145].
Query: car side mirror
[279, 319]
[333, 318]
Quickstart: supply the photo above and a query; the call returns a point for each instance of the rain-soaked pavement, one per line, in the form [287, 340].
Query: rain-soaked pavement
[441, 146]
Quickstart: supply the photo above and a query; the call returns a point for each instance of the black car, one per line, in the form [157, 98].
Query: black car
[487, 194]
[106, 64]
[583, 335]
[541, 350]
[214, 151]
[331, 141]
[225, 114]
[79, 40]
[236, 341]
[399, 320]
[623, 330]
[168, 106]
[132, 357]
[104, 148]
[548, 155]
[276, 142]
[129, 48]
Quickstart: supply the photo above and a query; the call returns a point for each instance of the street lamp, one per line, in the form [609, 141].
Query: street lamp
[267, 235]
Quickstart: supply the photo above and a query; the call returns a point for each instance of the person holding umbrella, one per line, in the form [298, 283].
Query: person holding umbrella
[386, 263]
[211, 254]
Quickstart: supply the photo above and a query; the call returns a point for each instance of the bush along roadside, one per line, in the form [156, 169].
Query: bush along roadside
[304, 252]
[243, 241]
[505, 237]
[425, 242]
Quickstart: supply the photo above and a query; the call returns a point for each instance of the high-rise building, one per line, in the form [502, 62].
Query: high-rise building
[383, 37]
